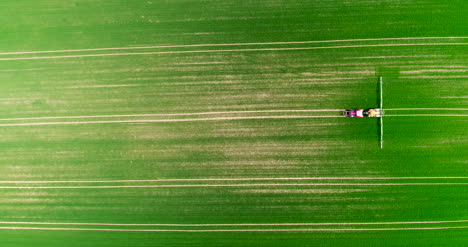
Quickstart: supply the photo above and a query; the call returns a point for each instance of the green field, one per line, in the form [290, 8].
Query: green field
[218, 123]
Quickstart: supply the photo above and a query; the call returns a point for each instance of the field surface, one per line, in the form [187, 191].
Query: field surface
[218, 123]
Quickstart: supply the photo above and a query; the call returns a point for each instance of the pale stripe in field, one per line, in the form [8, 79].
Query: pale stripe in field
[238, 230]
[208, 119]
[14, 70]
[453, 97]
[402, 56]
[241, 224]
[193, 119]
[230, 179]
[230, 44]
[164, 120]
[227, 50]
[105, 86]
[173, 114]
[227, 185]
[219, 112]
[435, 77]
[421, 71]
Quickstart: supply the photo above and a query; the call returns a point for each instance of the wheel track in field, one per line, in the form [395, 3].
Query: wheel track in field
[238, 182]
[239, 230]
[165, 120]
[223, 116]
[253, 185]
[235, 182]
[232, 44]
[236, 179]
[240, 224]
[252, 227]
[184, 47]
[176, 114]
[217, 113]
[227, 50]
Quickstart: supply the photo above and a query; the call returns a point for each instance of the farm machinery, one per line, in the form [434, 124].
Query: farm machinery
[371, 112]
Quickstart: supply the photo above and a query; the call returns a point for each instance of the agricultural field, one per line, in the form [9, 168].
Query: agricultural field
[219, 123]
